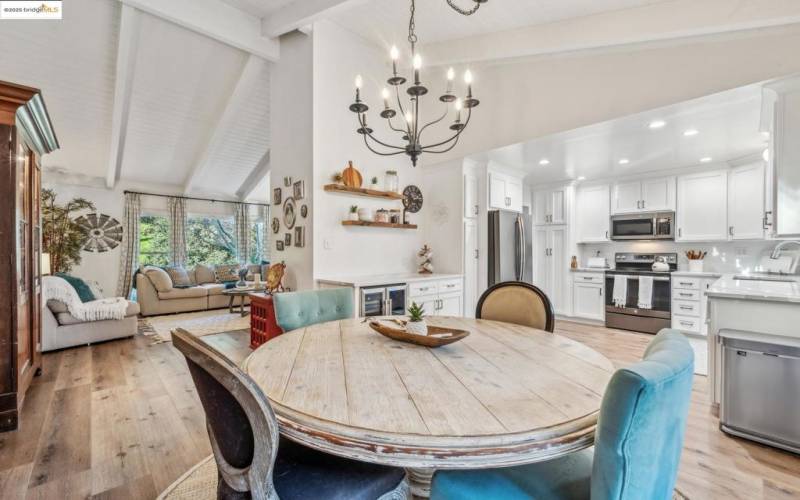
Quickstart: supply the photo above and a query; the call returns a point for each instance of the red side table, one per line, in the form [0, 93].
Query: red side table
[263, 324]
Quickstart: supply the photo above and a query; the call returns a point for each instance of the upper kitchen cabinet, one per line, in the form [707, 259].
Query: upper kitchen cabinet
[505, 192]
[786, 157]
[592, 213]
[702, 206]
[471, 195]
[549, 206]
[746, 216]
[644, 195]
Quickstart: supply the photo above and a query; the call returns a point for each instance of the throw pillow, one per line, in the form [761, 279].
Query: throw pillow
[204, 274]
[225, 273]
[180, 278]
[80, 286]
[252, 270]
[159, 278]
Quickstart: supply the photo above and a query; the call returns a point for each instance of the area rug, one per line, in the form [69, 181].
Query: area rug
[198, 324]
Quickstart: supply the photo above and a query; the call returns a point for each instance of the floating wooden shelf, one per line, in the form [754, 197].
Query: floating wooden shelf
[370, 193]
[378, 224]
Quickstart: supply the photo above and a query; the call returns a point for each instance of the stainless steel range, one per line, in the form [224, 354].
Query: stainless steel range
[631, 316]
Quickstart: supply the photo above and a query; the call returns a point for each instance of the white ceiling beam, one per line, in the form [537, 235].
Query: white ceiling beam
[246, 82]
[260, 170]
[302, 13]
[216, 20]
[126, 65]
[650, 23]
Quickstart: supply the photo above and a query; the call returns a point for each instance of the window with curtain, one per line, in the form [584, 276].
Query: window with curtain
[154, 240]
[210, 240]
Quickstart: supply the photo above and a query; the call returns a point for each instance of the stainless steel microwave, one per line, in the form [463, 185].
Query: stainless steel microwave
[643, 226]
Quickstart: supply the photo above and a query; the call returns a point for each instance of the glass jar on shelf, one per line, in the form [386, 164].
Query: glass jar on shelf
[391, 182]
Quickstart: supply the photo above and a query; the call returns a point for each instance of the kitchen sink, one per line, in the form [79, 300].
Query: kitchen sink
[743, 277]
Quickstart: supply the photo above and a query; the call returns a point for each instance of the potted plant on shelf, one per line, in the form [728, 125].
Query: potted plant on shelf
[416, 320]
[353, 213]
[374, 183]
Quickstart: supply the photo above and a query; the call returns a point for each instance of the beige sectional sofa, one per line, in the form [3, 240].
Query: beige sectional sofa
[156, 293]
[60, 329]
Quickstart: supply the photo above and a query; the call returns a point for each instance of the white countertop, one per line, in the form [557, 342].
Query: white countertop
[590, 269]
[384, 279]
[690, 274]
[775, 291]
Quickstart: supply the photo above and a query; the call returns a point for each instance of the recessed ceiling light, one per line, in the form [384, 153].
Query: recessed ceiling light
[690, 132]
[624, 161]
[582, 178]
[657, 124]
[706, 159]
[544, 161]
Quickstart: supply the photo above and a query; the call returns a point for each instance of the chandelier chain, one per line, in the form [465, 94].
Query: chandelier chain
[464, 12]
[412, 36]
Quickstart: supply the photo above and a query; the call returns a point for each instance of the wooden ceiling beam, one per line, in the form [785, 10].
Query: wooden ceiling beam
[301, 13]
[260, 170]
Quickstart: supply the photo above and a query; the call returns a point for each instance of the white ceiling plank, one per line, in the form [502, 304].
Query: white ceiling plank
[301, 13]
[252, 181]
[647, 23]
[217, 20]
[126, 66]
[249, 76]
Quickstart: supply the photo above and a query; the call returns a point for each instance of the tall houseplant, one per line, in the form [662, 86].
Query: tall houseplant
[61, 237]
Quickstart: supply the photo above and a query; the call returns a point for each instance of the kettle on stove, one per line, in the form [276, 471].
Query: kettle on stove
[660, 264]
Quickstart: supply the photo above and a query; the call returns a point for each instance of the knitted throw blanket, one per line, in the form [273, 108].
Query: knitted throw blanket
[56, 288]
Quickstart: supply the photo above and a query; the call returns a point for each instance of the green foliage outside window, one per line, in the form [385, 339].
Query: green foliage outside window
[153, 241]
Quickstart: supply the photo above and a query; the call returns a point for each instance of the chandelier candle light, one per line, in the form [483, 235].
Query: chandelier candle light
[409, 127]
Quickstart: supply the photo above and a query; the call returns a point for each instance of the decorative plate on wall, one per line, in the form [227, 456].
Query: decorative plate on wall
[412, 199]
[289, 212]
[101, 232]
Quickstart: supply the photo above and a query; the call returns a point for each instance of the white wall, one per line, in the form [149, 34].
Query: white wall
[339, 56]
[291, 153]
[443, 190]
[535, 97]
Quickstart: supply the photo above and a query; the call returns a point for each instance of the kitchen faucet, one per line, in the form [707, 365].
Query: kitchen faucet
[776, 253]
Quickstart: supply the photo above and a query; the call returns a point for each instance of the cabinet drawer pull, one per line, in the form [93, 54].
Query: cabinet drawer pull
[686, 295]
[587, 278]
[687, 323]
[687, 308]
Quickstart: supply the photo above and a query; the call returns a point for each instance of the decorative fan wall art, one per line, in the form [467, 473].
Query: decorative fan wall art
[102, 232]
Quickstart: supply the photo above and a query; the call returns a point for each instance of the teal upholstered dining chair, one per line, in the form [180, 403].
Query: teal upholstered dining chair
[637, 448]
[295, 310]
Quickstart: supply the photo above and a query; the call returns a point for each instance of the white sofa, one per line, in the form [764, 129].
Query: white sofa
[60, 329]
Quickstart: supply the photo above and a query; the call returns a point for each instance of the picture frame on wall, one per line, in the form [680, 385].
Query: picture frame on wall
[276, 225]
[304, 211]
[299, 190]
[287, 181]
[287, 239]
[300, 236]
[277, 197]
[279, 245]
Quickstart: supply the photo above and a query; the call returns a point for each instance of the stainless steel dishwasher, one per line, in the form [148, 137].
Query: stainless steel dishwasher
[761, 392]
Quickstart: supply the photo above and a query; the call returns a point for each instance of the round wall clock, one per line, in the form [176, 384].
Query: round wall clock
[412, 199]
[289, 213]
[101, 232]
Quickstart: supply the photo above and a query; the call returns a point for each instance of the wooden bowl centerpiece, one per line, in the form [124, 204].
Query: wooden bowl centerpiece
[436, 337]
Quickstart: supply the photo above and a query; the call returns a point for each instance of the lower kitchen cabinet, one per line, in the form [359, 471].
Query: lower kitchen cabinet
[588, 300]
[689, 303]
[438, 297]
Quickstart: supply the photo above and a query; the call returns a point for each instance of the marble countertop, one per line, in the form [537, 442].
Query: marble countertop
[590, 269]
[384, 279]
[777, 291]
[690, 274]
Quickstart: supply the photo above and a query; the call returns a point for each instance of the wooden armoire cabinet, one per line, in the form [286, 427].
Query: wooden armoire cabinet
[25, 135]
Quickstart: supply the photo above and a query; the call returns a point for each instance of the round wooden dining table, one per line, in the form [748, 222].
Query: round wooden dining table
[505, 395]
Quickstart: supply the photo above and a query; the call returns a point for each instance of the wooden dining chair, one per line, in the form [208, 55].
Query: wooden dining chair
[519, 303]
[638, 441]
[295, 310]
[252, 461]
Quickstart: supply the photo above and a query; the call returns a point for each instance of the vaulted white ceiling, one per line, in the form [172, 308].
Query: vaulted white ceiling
[721, 128]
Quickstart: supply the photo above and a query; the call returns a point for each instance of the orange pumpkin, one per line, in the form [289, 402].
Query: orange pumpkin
[351, 177]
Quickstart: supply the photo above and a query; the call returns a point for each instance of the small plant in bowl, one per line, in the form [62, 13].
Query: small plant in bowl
[374, 182]
[416, 320]
[352, 214]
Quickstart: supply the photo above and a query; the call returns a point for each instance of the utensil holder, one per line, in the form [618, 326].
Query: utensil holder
[696, 266]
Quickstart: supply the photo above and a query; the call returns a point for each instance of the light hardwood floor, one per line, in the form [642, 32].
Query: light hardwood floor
[122, 420]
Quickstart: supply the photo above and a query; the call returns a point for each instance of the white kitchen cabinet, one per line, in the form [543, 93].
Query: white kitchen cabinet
[785, 158]
[438, 297]
[550, 265]
[746, 202]
[588, 300]
[689, 303]
[549, 206]
[644, 195]
[450, 305]
[702, 213]
[471, 196]
[592, 213]
[505, 192]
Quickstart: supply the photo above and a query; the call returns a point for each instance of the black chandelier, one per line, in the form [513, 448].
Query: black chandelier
[410, 128]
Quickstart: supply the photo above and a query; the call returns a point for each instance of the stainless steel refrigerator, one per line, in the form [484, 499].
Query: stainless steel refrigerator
[510, 249]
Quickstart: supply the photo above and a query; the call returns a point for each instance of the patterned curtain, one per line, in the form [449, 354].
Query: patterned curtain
[263, 215]
[177, 231]
[241, 223]
[129, 257]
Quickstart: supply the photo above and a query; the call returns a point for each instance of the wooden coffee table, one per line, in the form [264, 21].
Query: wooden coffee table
[242, 293]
